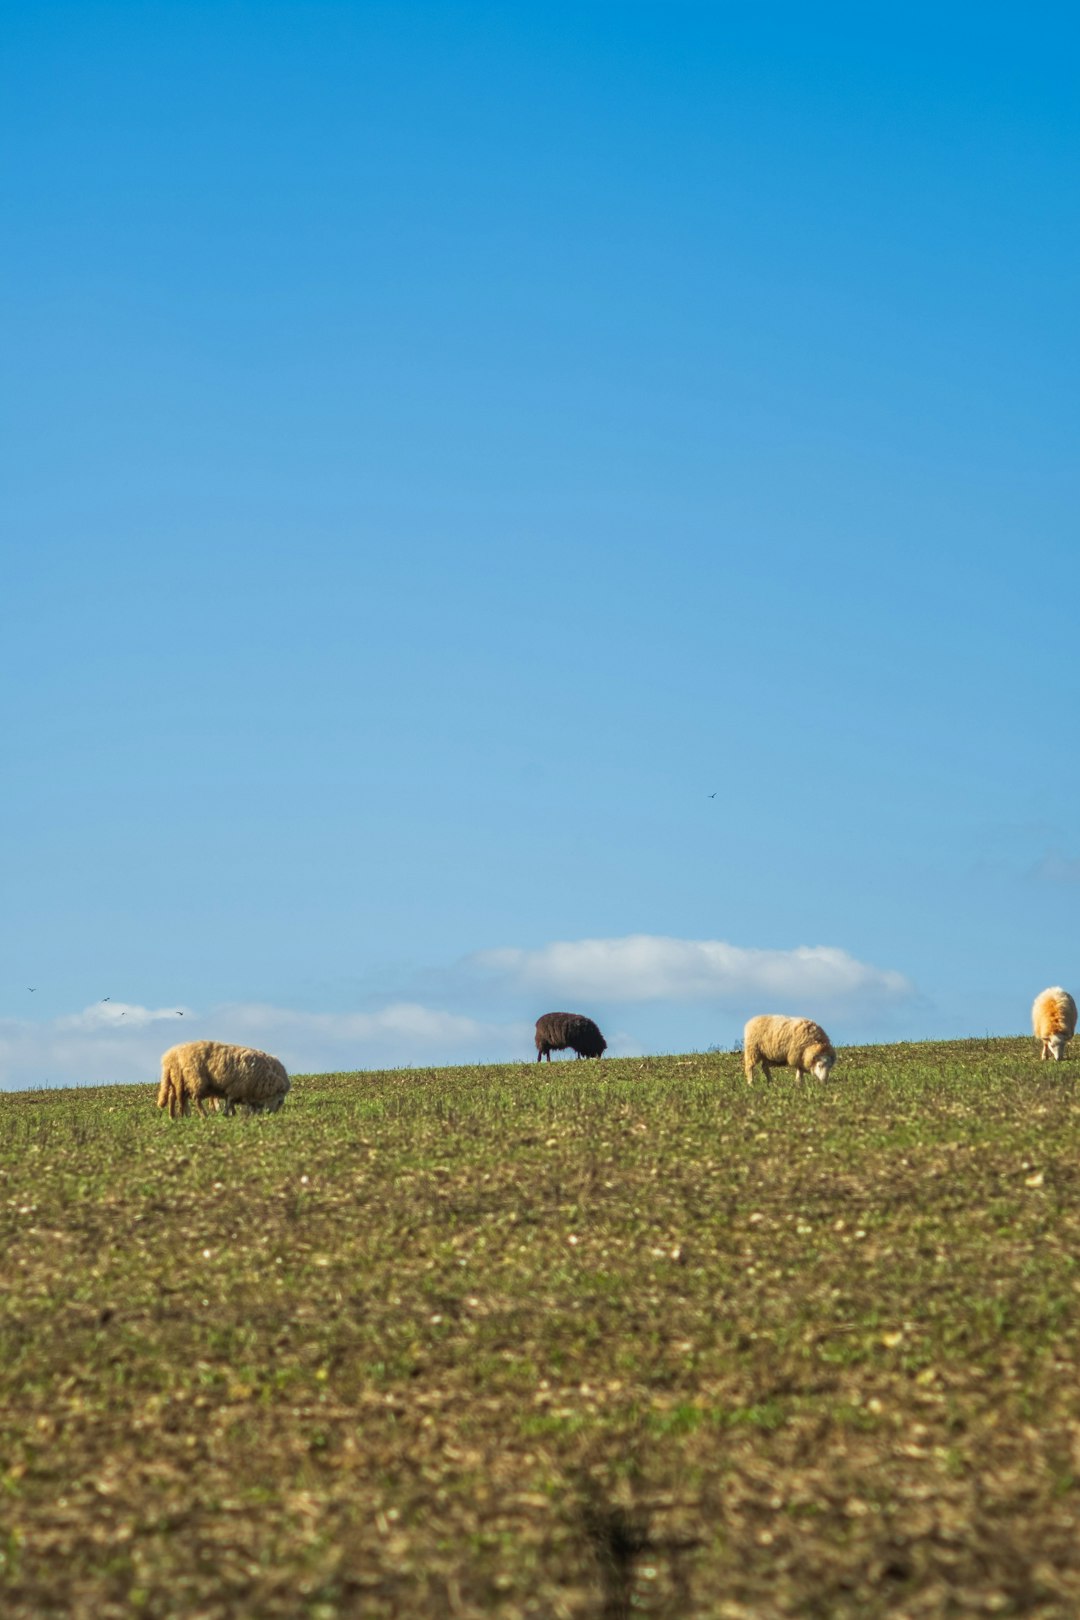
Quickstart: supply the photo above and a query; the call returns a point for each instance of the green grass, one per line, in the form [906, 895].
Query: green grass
[587, 1340]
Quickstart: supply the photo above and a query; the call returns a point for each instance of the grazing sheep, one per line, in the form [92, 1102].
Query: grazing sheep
[558, 1030]
[791, 1043]
[1053, 1018]
[202, 1070]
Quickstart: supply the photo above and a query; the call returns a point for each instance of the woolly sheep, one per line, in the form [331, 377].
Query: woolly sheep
[555, 1031]
[792, 1043]
[1053, 1018]
[202, 1070]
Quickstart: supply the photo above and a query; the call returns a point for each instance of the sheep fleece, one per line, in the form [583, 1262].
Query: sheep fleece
[555, 1031]
[200, 1070]
[793, 1043]
[1053, 1013]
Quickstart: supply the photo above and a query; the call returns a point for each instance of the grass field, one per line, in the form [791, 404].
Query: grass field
[587, 1340]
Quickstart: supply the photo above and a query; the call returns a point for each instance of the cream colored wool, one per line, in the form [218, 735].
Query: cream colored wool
[200, 1071]
[791, 1043]
[1053, 1018]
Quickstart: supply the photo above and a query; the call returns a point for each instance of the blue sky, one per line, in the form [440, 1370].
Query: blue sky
[444, 444]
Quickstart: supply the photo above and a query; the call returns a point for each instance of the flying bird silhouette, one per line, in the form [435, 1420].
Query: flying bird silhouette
[179, 1014]
[712, 795]
[32, 989]
[104, 999]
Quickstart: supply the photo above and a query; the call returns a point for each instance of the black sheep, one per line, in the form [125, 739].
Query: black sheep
[558, 1030]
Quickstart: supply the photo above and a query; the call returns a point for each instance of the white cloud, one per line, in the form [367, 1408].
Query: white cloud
[649, 967]
[111, 1015]
[122, 1043]
[399, 1034]
[78, 1049]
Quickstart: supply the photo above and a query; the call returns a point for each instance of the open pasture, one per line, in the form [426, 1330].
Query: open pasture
[587, 1340]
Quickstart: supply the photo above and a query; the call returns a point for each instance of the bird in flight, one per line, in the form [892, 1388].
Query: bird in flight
[179, 1014]
[104, 999]
[32, 989]
[712, 795]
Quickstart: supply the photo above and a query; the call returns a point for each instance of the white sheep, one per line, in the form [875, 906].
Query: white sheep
[239, 1075]
[792, 1043]
[1053, 1018]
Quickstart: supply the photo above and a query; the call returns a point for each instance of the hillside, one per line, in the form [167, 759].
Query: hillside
[568, 1341]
